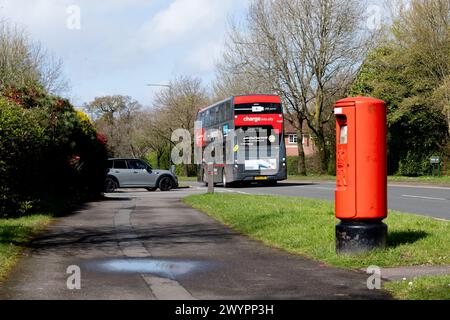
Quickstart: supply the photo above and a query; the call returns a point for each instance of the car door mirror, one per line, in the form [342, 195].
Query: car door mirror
[149, 169]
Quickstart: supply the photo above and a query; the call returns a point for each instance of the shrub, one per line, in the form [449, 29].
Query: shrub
[49, 152]
[312, 165]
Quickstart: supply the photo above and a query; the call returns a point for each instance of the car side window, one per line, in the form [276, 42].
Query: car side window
[120, 164]
[136, 165]
[110, 164]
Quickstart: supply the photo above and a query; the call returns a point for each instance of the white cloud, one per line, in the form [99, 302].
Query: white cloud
[136, 40]
[183, 20]
[203, 58]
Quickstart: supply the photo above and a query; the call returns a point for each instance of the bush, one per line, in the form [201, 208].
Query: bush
[49, 152]
[413, 165]
[163, 163]
[292, 165]
[312, 165]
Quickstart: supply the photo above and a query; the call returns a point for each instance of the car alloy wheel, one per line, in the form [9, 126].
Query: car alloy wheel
[165, 184]
[110, 185]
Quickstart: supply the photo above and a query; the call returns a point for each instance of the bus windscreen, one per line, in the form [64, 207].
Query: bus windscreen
[257, 108]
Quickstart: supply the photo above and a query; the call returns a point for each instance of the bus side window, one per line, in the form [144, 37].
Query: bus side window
[222, 113]
[200, 118]
[226, 111]
[207, 122]
[217, 115]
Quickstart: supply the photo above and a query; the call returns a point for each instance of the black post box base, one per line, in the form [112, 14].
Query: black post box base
[360, 236]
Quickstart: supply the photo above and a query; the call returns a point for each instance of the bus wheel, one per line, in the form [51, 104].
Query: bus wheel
[225, 184]
[205, 178]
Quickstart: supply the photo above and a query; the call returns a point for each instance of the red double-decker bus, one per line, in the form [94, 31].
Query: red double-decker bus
[258, 151]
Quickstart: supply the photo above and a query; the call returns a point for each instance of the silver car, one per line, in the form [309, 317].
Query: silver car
[135, 173]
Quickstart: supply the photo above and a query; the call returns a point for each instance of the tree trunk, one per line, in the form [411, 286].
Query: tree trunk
[323, 153]
[301, 163]
[448, 120]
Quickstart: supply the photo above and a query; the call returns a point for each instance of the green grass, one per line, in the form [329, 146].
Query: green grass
[187, 178]
[307, 227]
[424, 179]
[14, 234]
[443, 180]
[422, 288]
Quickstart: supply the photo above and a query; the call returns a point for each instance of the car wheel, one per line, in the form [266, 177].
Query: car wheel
[165, 184]
[110, 185]
[151, 189]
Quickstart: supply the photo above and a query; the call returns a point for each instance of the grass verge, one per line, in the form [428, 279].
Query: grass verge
[14, 234]
[421, 288]
[307, 226]
[443, 180]
[180, 178]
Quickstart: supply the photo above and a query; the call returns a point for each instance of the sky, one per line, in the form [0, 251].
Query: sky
[119, 46]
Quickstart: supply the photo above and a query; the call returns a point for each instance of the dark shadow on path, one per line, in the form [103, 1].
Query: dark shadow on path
[108, 236]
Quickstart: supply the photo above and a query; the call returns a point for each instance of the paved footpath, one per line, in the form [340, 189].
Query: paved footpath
[149, 245]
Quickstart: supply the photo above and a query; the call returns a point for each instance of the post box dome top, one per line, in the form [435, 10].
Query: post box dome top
[353, 101]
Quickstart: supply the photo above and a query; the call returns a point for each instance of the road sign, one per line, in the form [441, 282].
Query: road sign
[435, 160]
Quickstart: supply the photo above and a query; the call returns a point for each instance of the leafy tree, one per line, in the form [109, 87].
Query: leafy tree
[409, 70]
[116, 116]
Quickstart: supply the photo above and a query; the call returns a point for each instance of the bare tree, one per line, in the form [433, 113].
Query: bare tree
[176, 107]
[25, 63]
[309, 50]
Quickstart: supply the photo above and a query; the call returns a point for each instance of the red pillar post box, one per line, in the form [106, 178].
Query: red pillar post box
[361, 174]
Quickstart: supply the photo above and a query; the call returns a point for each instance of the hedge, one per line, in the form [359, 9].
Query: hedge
[49, 152]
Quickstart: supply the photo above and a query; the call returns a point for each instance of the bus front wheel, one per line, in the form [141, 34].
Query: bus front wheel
[225, 184]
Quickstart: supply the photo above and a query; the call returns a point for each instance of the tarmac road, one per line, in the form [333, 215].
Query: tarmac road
[150, 245]
[433, 201]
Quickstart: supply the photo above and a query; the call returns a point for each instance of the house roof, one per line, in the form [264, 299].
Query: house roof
[290, 129]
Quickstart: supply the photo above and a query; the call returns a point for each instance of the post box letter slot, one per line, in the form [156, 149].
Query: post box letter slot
[343, 129]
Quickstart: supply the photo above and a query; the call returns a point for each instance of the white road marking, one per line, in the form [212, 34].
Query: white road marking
[417, 186]
[422, 197]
